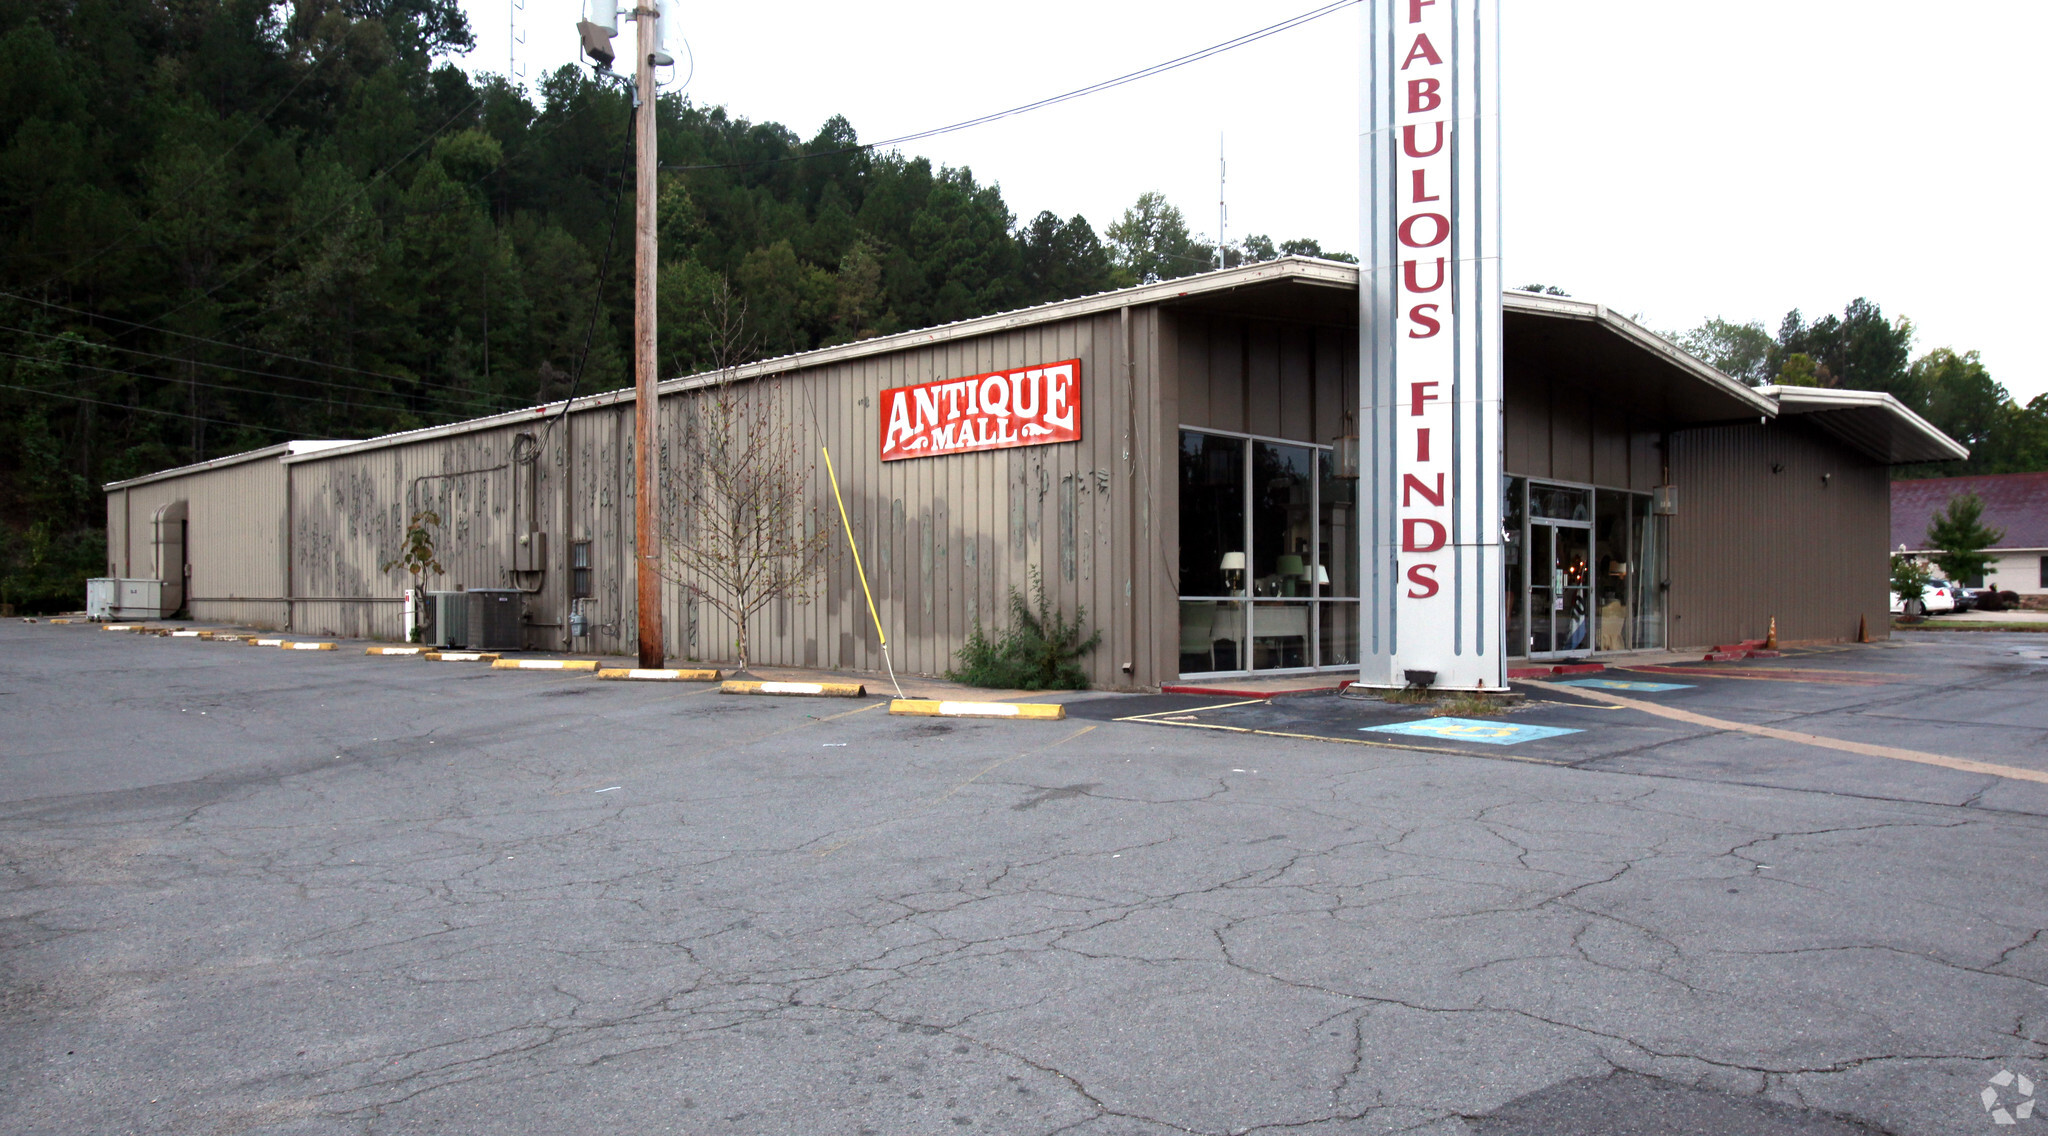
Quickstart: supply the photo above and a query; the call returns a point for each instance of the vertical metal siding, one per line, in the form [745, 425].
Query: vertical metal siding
[233, 533]
[945, 539]
[1750, 542]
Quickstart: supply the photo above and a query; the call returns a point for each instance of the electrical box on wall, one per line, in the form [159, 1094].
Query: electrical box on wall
[530, 552]
[1665, 501]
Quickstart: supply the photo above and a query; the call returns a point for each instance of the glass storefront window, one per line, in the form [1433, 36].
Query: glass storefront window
[1280, 636]
[1612, 571]
[1584, 570]
[1268, 556]
[1515, 565]
[1337, 539]
[1282, 520]
[1211, 636]
[1339, 633]
[1212, 515]
[1562, 502]
[1646, 586]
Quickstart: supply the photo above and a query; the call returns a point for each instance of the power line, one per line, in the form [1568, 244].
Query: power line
[179, 382]
[1093, 88]
[143, 409]
[240, 370]
[224, 343]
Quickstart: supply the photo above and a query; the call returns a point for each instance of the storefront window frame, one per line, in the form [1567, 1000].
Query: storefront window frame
[1244, 599]
[1520, 648]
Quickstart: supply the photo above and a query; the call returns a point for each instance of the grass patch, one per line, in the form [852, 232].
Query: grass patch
[1931, 625]
[1448, 704]
[1469, 706]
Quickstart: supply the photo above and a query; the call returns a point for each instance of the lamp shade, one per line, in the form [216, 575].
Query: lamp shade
[1290, 566]
[1233, 562]
[1323, 575]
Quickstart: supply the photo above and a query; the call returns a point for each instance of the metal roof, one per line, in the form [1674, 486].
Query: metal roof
[1745, 399]
[1298, 269]
[280, 450]
[2014, 502]
[1713, 387]
[1871, 421]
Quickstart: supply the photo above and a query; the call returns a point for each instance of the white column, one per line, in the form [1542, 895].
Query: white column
[1430, 344]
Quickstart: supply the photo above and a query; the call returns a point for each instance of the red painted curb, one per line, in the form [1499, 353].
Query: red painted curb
[1557, 669]
[1226, 692]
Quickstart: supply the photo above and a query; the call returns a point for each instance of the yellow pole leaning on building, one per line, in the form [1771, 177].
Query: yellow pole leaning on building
[863, 572]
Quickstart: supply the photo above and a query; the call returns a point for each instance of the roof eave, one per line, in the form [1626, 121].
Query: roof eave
[281, 450]
[1642, 338]
[1935, 445]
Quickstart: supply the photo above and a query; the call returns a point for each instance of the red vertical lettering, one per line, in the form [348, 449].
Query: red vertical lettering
[1421, 49]
[1420, 191]
[1410, 482]
[1420, 576]
[1413, 279]
[1411, 543]
[1422, 96]
[1439, 227]
[1416, 313]
[1408, 140]
[1415, 8]
[1422, 445]
[1418, 393]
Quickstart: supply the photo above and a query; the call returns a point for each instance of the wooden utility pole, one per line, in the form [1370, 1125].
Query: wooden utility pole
[646, 408]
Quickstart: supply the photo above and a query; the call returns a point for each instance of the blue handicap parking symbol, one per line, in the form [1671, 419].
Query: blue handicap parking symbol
[1471, 730]
[1625, 684]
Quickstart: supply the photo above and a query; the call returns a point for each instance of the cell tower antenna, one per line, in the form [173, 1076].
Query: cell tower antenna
[1222, 209]
[513, 38]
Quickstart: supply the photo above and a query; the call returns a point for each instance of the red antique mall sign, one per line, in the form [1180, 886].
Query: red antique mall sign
[997, 411]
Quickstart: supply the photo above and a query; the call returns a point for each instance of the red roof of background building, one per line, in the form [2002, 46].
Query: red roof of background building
[2015, 502]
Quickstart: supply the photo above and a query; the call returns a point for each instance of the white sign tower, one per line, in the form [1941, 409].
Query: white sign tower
[1429, 346]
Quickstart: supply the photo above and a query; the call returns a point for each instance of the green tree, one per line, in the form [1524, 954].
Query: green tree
[1960, 396]
[1306, 246]
[1738, 350]
[1859, 349]
[1799, 370]
[1959, 537]
[1060, 260]
[1151, 243]
[225, 224]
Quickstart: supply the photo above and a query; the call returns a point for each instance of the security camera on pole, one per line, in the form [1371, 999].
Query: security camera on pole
[598, 28]
[1430, 346]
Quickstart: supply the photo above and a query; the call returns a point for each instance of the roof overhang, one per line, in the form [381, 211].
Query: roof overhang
[281, 451]
[1617, 359]
[1611, 354]
[1871, 421]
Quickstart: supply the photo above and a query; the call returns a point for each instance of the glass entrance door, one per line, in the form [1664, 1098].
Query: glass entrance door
[1560, 580]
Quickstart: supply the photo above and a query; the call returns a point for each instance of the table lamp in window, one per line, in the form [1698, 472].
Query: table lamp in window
[1233, 571]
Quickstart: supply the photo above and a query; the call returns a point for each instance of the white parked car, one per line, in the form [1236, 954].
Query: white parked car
[1939, 596]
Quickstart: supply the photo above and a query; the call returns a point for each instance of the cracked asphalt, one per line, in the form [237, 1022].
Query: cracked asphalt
[251, 891]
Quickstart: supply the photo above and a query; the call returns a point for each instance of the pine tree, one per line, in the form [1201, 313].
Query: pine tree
[1960, 537]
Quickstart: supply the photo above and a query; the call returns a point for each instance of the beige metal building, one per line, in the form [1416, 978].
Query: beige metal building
[1206, 516]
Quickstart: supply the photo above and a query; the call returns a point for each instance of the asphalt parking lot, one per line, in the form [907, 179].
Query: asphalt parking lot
[253, 891]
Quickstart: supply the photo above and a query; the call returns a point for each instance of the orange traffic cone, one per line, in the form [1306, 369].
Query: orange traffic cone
[1771, 637]
[1863, 629]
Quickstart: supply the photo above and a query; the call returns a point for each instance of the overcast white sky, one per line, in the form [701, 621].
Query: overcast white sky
[1673, 161]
